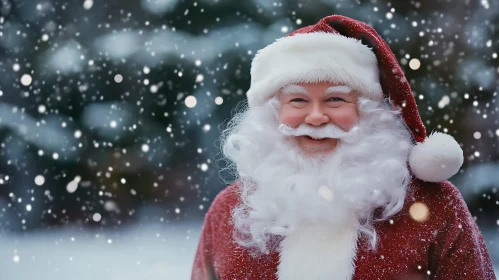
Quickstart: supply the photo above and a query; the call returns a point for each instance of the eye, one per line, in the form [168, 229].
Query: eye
[298, 100]
[336, 99]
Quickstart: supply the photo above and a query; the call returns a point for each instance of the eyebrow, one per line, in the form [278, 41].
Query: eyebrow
[290, 89]
[339, 89]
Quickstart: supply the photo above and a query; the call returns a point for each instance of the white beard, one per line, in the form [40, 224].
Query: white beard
[283, 191]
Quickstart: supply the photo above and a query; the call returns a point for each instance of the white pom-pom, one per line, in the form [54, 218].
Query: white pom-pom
[437, 159]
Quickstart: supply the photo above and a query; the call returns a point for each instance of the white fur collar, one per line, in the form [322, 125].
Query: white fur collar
[318, 252]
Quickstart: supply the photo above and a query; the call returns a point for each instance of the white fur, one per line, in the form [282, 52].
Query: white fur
[437, 159]
[314, 57]
[319, 252]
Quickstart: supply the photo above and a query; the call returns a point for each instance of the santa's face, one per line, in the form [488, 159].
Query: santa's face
[282, 189]
[317, 105]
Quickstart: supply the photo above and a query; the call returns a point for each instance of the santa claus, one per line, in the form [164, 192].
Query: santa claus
[337, 178]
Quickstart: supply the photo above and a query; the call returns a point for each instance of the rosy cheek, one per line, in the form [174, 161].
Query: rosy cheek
[346, 118]
[290, 116]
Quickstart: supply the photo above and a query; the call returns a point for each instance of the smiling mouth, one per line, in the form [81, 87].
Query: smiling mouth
[315, 139]
[316, 145]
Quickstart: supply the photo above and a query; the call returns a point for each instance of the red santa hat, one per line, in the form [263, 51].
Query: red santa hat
[343, 50]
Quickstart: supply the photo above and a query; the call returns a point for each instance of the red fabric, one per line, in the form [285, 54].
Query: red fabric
[392, 78]
[448, 245]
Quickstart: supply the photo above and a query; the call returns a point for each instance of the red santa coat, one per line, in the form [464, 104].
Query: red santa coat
[448, 245]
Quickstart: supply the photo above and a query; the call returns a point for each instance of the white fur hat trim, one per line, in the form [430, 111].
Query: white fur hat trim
[310, 58]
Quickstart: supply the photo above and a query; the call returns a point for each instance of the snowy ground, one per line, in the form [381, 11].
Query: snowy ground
[145, 252]
[149, 252]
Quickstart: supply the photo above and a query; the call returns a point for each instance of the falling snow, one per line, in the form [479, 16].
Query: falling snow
[39, 180]
[110, 115]
[73, 185]
[26, 80]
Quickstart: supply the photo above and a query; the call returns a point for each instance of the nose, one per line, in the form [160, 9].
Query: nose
[316, 117]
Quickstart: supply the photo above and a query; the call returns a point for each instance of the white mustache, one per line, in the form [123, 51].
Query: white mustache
[328, 131]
